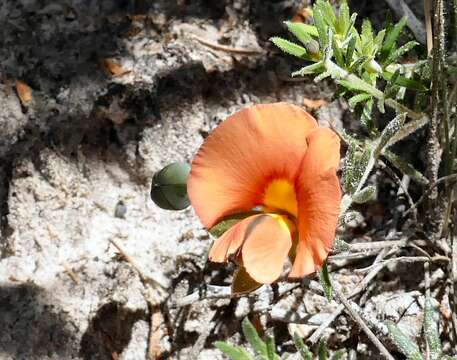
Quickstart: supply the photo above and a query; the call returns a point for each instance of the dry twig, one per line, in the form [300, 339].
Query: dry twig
[71, 273]
[154, 348]
[228, 49]
[154, 292]
[314, 338]
[453, 286]
[401, 9]
[146, 279]
[357, 318]
[407, 259]
[428, 24]
[433, 149]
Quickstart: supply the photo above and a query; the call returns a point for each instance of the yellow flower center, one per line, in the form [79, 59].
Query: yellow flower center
[284, 222]
[280, 195]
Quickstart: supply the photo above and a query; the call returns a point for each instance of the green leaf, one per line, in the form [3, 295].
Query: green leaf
[404, 81]
[321, 28]
[302, 348]
[364, 195]
[338, 53]
[233, 352]
[366, 116]
[310, 69]
[271, 349]
[352, 215]
[402, 50]
[356, 66]
[340, 245]
[367, 38]
[350, 51]
[322, 76]
[388, 133]
[323, 351]
[324, 278]
[408, 129]
[391, 89]
[343, 21]
[354, 83]
[338, 355]
[356, 99]
[379, 39]
[301, 31]
[405, 167]
[254, 339]
[432, 335]
[404, 344]
[289, 47]
[351, 28]
[327, 11]
[354, 166]
[390, 41]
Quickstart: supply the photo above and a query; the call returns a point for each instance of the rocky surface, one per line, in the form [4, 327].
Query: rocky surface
[118, 90]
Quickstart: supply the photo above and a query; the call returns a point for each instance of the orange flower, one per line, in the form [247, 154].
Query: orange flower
[275, 158]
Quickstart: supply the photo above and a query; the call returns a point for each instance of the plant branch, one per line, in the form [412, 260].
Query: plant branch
[428, 24]
[401, 9]
[361, 286]
[358, 319]
[433, 150]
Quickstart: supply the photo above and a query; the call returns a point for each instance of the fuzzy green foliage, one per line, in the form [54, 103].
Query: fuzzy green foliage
[412, 350]
[355, 59]
[324, 279]
[266, 349]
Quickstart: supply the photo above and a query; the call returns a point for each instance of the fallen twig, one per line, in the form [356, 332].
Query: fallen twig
[357, 318]
[223, 292]
[378, 245]
[401, 9]
[361, 286]
[429, 189]
[154, 286]
[149, 278]
[453, 285]
[154, 348]
[209, 292]
[155, 289]
[71, 273]
[229, 49]
[428, 25]
[407, 259]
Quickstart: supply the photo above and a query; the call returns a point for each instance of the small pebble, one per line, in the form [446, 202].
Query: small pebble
[121, 210]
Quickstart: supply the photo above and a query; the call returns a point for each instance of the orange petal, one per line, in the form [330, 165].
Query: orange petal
[230, 241]
[319, 197]
[323, 153]
[304, 261]
[244, 153]
[265, 249]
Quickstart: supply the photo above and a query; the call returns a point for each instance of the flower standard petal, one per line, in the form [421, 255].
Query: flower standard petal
[265, 249]
[319, 197]
[243, 154]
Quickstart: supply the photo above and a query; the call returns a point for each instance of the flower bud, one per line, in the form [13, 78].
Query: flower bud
[312, 46]
[169, 187]
[373, 67]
